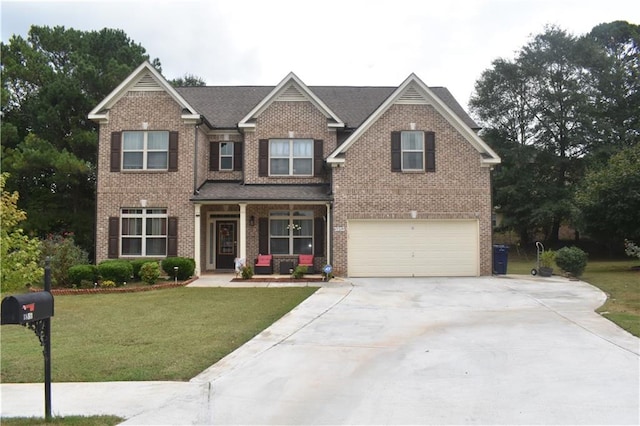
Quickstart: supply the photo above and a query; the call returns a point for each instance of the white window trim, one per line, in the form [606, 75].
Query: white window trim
[403, 151]
[220, 156]
[291, 157]
[145, 150]
[291, 227]
[143, 237]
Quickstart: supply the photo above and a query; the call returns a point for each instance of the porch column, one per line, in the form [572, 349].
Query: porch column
[197, 236]
[328, 237]
[242, 247]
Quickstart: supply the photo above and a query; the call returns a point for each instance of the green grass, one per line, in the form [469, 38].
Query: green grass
[63, 421]
[171, 334]
[615, 278]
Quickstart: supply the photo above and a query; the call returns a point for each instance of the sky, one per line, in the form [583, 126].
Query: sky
[329, 42]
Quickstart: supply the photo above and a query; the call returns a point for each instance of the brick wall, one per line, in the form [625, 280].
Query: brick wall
[170, 190]
[365, 187]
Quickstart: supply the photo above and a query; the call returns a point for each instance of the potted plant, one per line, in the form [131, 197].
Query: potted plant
[546, 263]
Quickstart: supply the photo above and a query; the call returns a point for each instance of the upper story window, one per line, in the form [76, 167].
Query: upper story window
[413, 151]
[144, 232]
[226, 156]
[145, 150]
[291, 157]
[412, 146]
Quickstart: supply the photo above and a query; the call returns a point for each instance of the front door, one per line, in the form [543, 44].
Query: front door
[226, 243]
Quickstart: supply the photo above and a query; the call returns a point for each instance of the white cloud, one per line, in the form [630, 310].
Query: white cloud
[332, 42]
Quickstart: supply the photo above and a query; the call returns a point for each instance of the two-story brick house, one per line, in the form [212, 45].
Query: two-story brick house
[376, 181]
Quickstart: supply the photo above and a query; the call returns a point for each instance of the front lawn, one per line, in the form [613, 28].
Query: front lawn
[171, 334]
[616, 278]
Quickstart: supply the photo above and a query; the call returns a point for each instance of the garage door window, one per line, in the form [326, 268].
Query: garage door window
[291, 232]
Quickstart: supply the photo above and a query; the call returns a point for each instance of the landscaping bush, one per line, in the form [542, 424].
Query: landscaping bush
[107, 284]
[63, 253]
[571, 260]
[150, 272]
[247, 272]
[299, 271]
[137, 264]
[119, 271]
[80, 273]
[186, 267]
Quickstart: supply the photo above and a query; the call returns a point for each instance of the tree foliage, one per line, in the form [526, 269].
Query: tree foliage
[19, 253]
[562, 106]
[50, 82]
[189, 80]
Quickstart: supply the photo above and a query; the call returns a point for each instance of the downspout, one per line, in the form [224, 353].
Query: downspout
[195, 157]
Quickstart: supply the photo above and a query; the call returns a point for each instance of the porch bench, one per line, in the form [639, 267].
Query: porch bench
[263, 264]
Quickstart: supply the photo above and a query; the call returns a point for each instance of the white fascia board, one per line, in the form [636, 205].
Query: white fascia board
[123, 87]
[264, 103]
[438, 104]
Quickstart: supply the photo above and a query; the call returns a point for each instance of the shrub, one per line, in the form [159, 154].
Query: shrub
[63, 253]
[546, 258]
[299, 271]
[247, 272]
[571, 260]
[79, 273]
[107, 284]
[119, 271]
[137, 264]
[150, 272]
[186, 267]
[631, 249]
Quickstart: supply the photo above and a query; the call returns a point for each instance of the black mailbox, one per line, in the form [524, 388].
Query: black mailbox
[28, 307]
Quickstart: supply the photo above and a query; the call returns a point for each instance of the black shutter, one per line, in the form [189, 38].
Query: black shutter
[172, 237]
[237, 156]
[263, 235]
[114, 237]
[318, 157]
[430, 151]
[263, 157]
[396, 152]
[173, 151]
[318, 237]
[116, 141]
[214, 154]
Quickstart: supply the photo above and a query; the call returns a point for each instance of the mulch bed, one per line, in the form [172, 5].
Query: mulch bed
[279, 280]
[125, 289]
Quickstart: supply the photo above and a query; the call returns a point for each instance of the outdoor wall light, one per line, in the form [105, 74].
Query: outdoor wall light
[143, 203]
[414, 214]
[252, 221]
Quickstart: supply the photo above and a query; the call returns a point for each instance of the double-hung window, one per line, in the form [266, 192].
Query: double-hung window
[145, 150]
[144, 232]
[412, 145]
[291, 232]
[291, 157]
[226, 156]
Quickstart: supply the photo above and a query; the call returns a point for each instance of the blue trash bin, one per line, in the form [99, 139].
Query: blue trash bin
[500, 256]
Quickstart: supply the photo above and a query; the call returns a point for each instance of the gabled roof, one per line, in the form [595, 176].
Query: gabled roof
[291, 88]
[414, 91]
[145, 78]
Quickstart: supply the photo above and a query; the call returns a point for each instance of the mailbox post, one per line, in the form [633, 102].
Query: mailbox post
[34, 311]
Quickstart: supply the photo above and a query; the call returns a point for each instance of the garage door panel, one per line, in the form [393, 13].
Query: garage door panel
[413, 248]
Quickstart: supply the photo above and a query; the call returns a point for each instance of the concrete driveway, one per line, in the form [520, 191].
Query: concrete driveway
[415, 351]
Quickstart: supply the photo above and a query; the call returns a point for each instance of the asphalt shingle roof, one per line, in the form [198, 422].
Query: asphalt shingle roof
[225, 106]
[236, 191]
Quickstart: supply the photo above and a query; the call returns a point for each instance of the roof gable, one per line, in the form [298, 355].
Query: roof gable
[290, 89]
[414, 91]
[145, 78]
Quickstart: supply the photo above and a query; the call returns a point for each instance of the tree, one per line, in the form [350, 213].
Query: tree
[610, 198]
[550, 113]
[189, 80]
[19, 254]
[50, 82]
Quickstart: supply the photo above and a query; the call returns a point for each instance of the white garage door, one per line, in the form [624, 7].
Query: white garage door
[413, 248]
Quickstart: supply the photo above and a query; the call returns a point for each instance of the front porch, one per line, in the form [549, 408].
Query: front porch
[297, 221]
